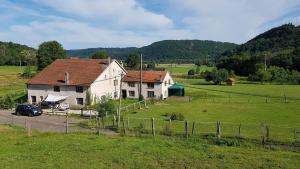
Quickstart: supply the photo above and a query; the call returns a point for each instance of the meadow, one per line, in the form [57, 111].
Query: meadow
[10, 80]
[247, 104]
[82, 150]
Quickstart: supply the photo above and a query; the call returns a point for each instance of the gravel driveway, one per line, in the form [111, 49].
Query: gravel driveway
[42, 123]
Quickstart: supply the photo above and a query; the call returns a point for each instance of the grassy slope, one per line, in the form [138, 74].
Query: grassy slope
[90, 151]
[10, 80]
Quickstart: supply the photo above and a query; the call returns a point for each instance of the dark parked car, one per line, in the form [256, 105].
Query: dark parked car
[29, 110]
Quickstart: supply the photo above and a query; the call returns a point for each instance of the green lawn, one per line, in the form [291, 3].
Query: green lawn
[10, 79]
[54, 150]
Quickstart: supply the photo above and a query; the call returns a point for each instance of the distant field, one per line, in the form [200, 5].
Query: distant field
[78, 150]
[10, 79]
[182, 68]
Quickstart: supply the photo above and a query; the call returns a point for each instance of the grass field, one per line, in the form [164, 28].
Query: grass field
[78, 150]
[182, 68]
[255, 104]
[10, 79]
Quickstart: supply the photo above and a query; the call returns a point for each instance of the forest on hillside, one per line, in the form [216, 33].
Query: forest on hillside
[10, 53]
[167, 51]
[278, 47]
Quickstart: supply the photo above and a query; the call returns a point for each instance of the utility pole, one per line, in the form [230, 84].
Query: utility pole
[141, 76]
[265, 62]
[120, 100]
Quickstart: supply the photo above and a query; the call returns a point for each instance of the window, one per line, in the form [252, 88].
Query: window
[56, 88]
[79, 101]
[115, 94]
[42, 98]
[169, 81]
[79, 89]
[150, 94]
[131, 93]
[150, 85]
[33, 99]
[130, 84]
[116, 82]
[165, 83]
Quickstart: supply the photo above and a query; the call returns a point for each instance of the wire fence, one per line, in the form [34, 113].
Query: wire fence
[160, 126]
[241, 97]
[109, 123]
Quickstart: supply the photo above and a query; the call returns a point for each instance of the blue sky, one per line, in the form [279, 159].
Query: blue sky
[125, 23]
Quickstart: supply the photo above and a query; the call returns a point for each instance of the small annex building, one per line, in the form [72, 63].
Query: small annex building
[230, 82]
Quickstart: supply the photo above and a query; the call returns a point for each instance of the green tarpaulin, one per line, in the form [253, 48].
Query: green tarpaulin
[176, 90]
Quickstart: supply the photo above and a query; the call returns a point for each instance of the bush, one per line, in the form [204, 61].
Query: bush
[191, 72]
[177, 116]
[7, 101]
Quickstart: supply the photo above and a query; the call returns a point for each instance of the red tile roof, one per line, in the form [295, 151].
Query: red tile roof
[147, 76]
[81, 72]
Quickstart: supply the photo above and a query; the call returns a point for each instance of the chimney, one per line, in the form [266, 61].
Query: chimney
[67, 77]
[109, 60]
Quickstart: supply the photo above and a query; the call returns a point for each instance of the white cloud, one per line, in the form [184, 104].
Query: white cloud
[231, 20]
[75, 34]
[124, 13]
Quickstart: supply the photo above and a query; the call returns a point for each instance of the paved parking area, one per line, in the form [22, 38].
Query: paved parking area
[42, 123]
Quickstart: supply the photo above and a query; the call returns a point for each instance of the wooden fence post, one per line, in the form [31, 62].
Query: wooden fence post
[186, 129]
[145, 104]
[267, 133]
[67, 124]
[263, 134]
[114, 120]
[218, 129]
[98, 125]
[12, 119]
[90, 114]
[103, 123]
[128, 123]
[240, 130]
[153, 127]
[124, 127]
[193, 128]
[266, 99]
[119, 118]
[28, 130]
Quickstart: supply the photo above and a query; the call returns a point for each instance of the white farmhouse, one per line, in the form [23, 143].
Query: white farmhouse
[70, 79]
[155, 84]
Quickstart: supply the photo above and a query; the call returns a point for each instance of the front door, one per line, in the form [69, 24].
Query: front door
[124, 94]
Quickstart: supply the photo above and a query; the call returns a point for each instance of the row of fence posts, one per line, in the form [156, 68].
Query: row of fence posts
[265, 130]
[267, 98]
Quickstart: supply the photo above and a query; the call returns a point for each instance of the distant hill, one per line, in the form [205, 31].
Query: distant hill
[280, 46]
[165, 51]
[9, 53]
